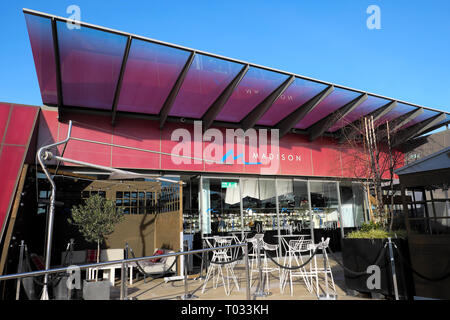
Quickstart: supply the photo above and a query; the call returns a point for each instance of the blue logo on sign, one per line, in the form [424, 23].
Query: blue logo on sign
[231, 153]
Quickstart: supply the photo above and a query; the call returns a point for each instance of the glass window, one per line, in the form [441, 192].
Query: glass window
[256, 85]
[150, 73]
[40, 33]
[336, 99]
[191, 204]
[352, 201]
[206, 79]
[90, 65]
[222, 200]
[324, 203]
[298, 93]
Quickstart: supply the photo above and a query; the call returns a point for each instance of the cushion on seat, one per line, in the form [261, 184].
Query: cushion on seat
[157, 253]
[91, 256]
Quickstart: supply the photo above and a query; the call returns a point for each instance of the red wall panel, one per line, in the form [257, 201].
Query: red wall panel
[296, 154]
[4, 115]
[296, 157]
[167, 146]
[140, 134]
[16, 125]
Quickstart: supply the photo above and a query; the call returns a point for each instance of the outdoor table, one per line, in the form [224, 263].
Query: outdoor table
[284, 241]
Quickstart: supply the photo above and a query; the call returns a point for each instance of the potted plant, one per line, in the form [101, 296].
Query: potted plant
[362, 248]
[95, 219]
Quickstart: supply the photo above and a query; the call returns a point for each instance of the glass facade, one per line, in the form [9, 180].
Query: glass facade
[214, 205]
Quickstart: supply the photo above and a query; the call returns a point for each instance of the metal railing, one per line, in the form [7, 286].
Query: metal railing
[125, 262]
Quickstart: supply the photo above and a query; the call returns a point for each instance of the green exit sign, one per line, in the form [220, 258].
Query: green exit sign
[229, 184]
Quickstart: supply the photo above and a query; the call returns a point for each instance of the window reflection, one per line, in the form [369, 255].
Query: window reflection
[324, 203]
[219, 210]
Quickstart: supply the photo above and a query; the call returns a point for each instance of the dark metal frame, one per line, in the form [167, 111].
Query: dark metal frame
[323, 125]
[404, 119]
[250, 120]
[210, 115]
[350, 131]
[57, 69]
[288, 122]
[120, 80]
[167, 106]
[411, 132]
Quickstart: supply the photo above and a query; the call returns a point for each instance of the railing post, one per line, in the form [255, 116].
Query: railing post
[124, 276]
[19, 269]
[260, 292]
[187, 295]
[247, 270]
[394, 276]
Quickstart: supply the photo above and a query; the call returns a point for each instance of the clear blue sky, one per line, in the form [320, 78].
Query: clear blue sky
[408, 59]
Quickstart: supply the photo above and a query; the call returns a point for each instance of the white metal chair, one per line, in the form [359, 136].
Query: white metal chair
[294, 251]
[268, 269]
[216, 270]
[326, 269]
[253, 255]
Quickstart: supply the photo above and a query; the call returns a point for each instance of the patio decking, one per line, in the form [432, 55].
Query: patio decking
[157, 289]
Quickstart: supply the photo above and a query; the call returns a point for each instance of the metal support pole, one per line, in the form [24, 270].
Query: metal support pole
[278, 218]
[260, 292]
[187, 295]
[311, 222]
[241, 207]
[71, 251]
[247, 270]
[327, 295]
[340, 209]
[124, 276]
[185, 279]
[394, 276]
[19, 269]
[40, 155]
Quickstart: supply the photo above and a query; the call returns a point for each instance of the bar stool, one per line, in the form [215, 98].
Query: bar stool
[326, 269]
[296, 247]
[216, 270]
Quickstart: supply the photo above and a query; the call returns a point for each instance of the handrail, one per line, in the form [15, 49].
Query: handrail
[108, 263]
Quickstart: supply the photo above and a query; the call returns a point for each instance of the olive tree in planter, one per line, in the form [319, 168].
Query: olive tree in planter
[95, 219]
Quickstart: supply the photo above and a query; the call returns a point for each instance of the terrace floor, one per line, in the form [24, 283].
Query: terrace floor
[157, 288]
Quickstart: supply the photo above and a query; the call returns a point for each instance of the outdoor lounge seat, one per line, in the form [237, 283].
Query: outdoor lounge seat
[161, 267]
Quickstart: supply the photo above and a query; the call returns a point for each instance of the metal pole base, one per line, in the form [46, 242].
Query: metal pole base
[44, 295]
[328, 297]
[188, 296]
[262, 294]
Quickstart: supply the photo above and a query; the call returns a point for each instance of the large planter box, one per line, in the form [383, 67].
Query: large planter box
[99, 290]
[358, 254]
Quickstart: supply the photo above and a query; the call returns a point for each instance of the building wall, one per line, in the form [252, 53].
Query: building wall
[424, 146]
[16, 128]
[148, 147]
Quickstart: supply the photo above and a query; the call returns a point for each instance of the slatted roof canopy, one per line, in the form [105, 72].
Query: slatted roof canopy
[95, 69]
